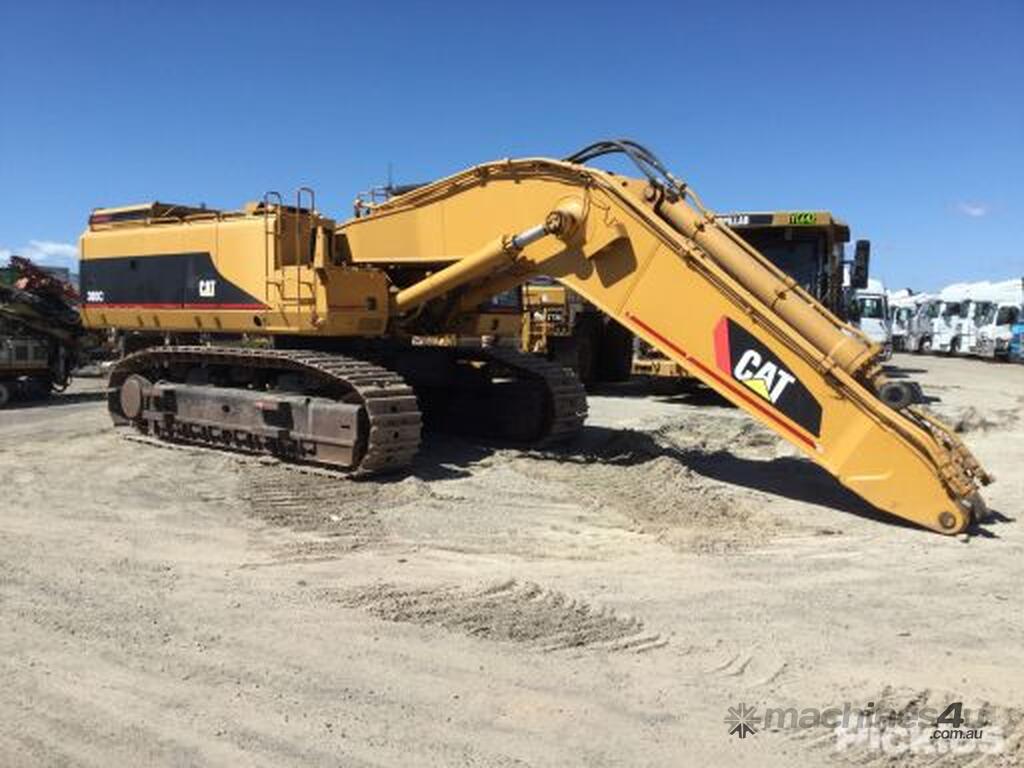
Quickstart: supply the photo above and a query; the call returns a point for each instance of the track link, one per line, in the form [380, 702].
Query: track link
[390, 421]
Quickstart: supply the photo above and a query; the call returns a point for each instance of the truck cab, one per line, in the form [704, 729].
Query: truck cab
[945, 326]
[996, 324]
[974, 313]
[902, 308]
[919, 324]
[900, 320]
[869, 311]
[996, 330]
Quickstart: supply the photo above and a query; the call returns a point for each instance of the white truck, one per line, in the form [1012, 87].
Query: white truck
[869, 311]
[972, 314]
[966, 309]
[919, 326]
[946, 317]
[1005, 308]
[903, 306]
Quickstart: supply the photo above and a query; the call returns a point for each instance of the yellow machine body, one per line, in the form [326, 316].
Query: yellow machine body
[265, 269]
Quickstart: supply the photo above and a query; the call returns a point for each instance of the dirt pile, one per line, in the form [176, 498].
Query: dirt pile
[972, 419]
[508, 611]
[664, 483]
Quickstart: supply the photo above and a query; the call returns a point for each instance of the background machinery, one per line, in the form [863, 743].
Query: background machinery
[294, 335]
[40, 331]
[808, 246]
[564, 327]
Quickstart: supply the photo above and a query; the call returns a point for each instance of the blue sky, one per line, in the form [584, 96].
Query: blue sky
[904, 118]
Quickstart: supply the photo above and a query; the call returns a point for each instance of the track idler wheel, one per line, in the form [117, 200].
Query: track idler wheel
[133, 395]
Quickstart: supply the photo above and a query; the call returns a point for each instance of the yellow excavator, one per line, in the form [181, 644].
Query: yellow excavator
[275, 329]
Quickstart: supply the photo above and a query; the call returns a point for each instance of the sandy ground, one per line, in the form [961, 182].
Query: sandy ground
[605, 605]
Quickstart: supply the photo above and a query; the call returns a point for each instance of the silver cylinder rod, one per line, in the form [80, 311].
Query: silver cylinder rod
[531, 235]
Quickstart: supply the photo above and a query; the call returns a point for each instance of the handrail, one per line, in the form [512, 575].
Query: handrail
[267, 234]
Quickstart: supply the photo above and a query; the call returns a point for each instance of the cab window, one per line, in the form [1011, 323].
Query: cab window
[1008, 316]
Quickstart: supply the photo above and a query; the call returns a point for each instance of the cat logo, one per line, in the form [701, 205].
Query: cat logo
[746, 359]
[764, 377]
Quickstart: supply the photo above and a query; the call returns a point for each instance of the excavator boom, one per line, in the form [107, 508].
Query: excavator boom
[648, 254]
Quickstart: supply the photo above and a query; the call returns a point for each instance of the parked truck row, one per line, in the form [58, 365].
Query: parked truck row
[977, 319]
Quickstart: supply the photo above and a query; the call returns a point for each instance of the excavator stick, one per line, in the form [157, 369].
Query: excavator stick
[648, 255]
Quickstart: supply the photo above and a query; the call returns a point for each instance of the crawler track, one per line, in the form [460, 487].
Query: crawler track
[182, 390]
[567, 399]
[389, 423]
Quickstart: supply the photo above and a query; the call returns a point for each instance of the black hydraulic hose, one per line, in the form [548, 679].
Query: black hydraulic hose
[645, 160]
